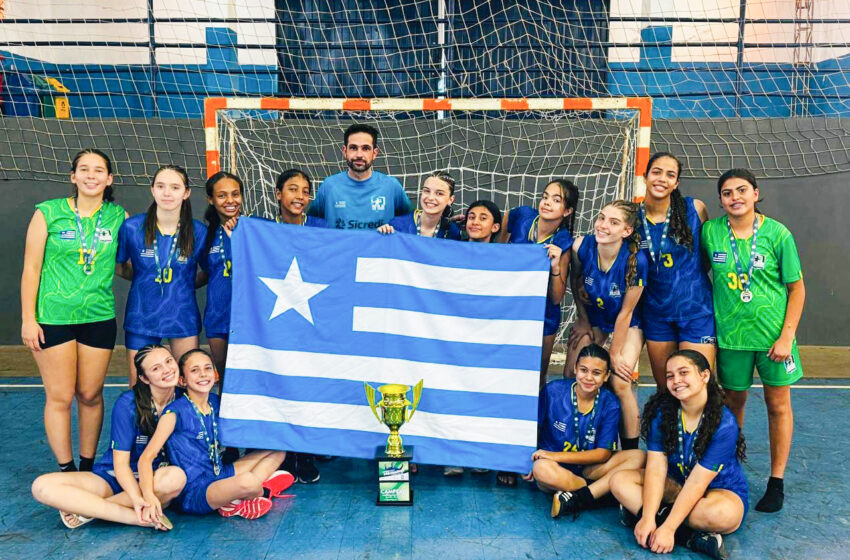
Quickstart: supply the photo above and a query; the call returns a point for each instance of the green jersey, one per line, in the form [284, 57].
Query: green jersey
[754, 325]
[66, 294]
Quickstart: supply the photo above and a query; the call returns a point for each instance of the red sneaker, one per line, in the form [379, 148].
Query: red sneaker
[278, 483]
[230, 509]
[254, 508]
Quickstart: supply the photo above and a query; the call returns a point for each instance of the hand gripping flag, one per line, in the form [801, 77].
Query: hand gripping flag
[316, 312]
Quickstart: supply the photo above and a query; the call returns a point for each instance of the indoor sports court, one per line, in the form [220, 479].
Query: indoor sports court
[503, 98]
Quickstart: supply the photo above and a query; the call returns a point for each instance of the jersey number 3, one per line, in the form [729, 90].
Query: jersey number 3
[667, 260]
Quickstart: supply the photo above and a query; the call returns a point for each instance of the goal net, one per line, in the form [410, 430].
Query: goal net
[497, 149]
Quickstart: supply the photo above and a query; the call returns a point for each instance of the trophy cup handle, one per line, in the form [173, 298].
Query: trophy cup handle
[417, 394]
[370, 396]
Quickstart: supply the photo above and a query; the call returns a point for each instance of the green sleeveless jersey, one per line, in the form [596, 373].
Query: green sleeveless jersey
[753, 325]
[66, 294]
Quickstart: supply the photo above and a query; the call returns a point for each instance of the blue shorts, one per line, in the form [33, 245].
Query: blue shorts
[553, 318]
[699, 330]
[193, 498]
[133, 341]
[105, 473]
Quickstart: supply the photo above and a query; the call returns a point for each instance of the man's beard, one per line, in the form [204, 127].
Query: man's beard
[351, 166]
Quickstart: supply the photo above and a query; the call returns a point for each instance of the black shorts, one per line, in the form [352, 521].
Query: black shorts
[100, 334]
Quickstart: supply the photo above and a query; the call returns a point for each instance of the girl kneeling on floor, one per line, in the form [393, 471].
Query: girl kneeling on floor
[693, 489]
[110, 491]
[189, 430]
[579, 420]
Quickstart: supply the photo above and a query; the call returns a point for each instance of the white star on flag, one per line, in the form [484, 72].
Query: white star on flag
[292, 293]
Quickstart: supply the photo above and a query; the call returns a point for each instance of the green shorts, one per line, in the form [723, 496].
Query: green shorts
[735, 368]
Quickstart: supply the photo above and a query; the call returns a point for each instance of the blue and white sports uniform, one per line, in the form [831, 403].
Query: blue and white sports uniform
[217, 265]
[407, 224]
[348, 204]
[521, 221]
[606, 290]
[157, 310]
[720, 456]
[557, 423]
[676, 303]
[187, 449]
[124, 435]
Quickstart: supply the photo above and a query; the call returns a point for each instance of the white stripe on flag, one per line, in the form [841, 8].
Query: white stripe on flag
[474, 282]
[447, 327]
[383, 370]
[360, 418]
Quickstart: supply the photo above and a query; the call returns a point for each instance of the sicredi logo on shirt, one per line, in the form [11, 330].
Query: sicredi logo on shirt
[355, 224]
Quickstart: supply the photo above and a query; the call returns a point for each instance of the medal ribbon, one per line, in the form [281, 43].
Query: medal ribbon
[652, 255]
[417, 219]
[745, 286]
[212, 446]
[685, 467]
[535, 229]
[582, 439]
[88, 253]
[160, 271]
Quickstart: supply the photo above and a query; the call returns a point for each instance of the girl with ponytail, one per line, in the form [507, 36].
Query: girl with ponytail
[431, 219]
[693, 489]
[159, 252]
[612, 270]
[110, 491]
[676, 311]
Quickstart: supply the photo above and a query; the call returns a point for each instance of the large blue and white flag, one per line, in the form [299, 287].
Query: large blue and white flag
[316, 312]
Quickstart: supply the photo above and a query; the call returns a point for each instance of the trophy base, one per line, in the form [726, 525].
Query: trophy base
[394, 488]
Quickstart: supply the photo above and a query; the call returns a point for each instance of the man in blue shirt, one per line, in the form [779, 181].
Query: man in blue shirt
[360, 198]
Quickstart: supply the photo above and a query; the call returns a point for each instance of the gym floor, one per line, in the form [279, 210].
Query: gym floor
[467, 517]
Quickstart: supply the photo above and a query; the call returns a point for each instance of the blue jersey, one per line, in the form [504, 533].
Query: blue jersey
[720, 455]
[348, 204]
[218, 267]
[677, 287]
[125, 434]
[160, 309]
[521, 222]
[557, 423]
[407, 224]
[606, 290]
[187, 445]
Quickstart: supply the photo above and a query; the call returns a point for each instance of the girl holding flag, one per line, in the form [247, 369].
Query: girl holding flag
[160, 251]
[758, 300]
[67, 304]
[435, 206]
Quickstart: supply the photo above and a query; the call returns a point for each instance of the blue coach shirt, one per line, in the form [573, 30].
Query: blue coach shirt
[348, 204]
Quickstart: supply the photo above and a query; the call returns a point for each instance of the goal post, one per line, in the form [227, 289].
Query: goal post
[504, 150]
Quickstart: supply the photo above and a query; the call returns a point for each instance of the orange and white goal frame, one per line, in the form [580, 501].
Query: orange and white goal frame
[643, 105]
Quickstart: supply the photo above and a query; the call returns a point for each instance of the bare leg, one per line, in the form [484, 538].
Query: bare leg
[131, 378]
[92, 364]
[218, 349]
[251, 471]
[627, 392]
[551, 476]
[737, 403]
[720, 511]
[180, 346]
[572, 355]
[627, 487]
[58, 368]
[658, 352]
[707, 350]
[780, 426]
[631, 459]
[548, 344]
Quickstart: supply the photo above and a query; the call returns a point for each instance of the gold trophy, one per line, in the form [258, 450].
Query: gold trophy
[394, 460]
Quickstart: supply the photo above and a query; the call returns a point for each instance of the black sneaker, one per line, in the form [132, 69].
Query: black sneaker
[564, 503]
[289, 463]
[627, 518]
[306, 470]
[710, 544]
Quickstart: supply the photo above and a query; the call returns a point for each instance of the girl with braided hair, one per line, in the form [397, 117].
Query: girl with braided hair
[612, 270]
[676, 310]
[693, 489]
